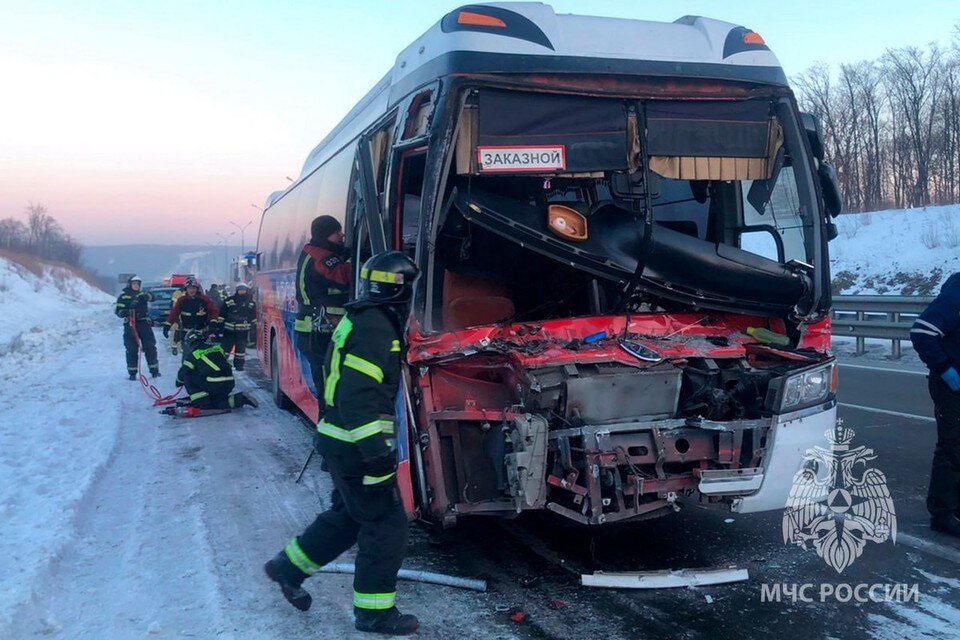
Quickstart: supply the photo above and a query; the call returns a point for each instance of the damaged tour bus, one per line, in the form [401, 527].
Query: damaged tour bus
[622, 229]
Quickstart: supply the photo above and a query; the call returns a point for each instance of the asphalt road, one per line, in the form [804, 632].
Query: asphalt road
[537, 572]
[891, 413]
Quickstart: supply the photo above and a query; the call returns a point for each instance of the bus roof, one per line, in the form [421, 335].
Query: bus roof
[529, 37]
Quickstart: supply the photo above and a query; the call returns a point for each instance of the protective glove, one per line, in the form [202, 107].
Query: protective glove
[123, 313]
[166, 331]
[952, 378]
[380, 471]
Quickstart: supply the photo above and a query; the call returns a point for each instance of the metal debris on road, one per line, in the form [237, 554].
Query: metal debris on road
[664, 579]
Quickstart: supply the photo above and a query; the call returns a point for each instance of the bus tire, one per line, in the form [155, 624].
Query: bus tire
[279, 397]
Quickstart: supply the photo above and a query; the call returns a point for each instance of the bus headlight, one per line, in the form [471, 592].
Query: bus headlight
[803, 389]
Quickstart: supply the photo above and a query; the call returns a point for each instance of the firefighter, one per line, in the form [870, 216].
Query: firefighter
[206, 375]
[193, 310]
[357, 439]
[132, 306]
[237, 312]
[323, 278]
[936, 338]
[175, 327]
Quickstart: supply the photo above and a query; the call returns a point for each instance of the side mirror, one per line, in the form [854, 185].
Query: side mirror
[830, 186]
[832, 231]
[811, 124]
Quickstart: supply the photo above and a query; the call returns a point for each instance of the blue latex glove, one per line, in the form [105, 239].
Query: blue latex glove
[952, 378]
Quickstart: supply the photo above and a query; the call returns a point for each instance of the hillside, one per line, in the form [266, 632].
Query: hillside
[44, 296]
[896, 252]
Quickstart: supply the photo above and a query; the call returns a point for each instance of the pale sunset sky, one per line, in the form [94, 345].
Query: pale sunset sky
[162, 122]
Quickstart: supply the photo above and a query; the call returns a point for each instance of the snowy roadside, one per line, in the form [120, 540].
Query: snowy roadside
[118, 522]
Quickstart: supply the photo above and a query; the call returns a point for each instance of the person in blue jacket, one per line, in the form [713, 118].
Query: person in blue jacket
[936, 338]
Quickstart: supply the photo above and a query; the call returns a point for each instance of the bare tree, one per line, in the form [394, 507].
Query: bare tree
[913, 82]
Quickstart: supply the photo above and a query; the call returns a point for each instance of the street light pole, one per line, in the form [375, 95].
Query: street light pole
[226, 264]
[243, 246]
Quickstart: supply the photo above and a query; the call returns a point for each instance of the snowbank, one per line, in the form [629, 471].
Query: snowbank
[896, 252]
[41, 313]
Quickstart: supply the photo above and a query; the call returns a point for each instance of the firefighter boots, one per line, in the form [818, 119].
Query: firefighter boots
[282, 571]
[389, 622]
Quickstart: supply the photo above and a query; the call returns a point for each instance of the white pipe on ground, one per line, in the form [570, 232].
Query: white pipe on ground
[416, 576]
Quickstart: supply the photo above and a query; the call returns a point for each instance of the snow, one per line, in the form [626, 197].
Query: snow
[896, 252]
[118, 522]
[58, 300]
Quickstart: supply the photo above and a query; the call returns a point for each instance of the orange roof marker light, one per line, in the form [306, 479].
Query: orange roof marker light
[753, 38]
[480, 20]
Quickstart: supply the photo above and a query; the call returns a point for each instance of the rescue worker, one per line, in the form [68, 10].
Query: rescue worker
[237, 312]
[206, 375]
[175, 327]
[936, 338]
[323, 280]
[193, 310]
[215, 293]
[357, 440]
[132, 306]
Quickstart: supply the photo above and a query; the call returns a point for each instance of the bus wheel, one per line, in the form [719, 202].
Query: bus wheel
[279, 397]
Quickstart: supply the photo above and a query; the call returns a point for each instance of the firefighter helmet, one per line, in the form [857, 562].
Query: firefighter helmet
[387, 278]
[190, 282]
[133, 279]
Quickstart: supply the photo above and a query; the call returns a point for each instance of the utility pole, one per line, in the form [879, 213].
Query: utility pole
[243, 246]
[226, 263]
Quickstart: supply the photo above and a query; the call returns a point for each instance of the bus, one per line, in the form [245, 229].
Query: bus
[622, 232]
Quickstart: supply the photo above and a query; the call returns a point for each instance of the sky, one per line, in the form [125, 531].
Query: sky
[163, 122]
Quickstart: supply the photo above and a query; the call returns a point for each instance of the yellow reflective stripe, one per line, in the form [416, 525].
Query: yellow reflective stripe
[371, 480]
[381, 276]
[337, 311]
[303, 325]
[209, 362]
[363, 366]
[198, 395]
[395, 347]
[355, 435]
[376, 601]
[188, 364]
[300, 559]
[220, 379]
[339, 339]
[302, 282]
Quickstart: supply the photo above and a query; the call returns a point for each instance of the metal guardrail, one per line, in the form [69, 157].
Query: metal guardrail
[883, 317]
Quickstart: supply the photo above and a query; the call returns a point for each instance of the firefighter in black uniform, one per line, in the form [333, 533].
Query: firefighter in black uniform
[936, 337]
[237, 313]
[323, 280]
[207, 376]
[132, 306]
[193, 310]
[357, 439]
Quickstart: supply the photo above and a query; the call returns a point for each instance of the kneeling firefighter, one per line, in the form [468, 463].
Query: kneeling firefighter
[357, 439]
[207, 376]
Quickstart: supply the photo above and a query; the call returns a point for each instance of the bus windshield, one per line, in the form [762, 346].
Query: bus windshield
[656, 213]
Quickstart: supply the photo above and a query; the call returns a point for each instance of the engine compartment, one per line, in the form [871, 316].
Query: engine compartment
[595, 441]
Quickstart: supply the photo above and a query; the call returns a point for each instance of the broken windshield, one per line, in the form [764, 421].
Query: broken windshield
[522, 240]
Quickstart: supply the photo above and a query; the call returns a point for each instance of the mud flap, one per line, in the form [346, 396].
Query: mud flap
[526, 464]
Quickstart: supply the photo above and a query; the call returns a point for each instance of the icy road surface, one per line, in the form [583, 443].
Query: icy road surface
[118, 522]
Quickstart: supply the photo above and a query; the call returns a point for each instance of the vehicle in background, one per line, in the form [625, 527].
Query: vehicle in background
[161, 302]
[179, 279]
[622, 231]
